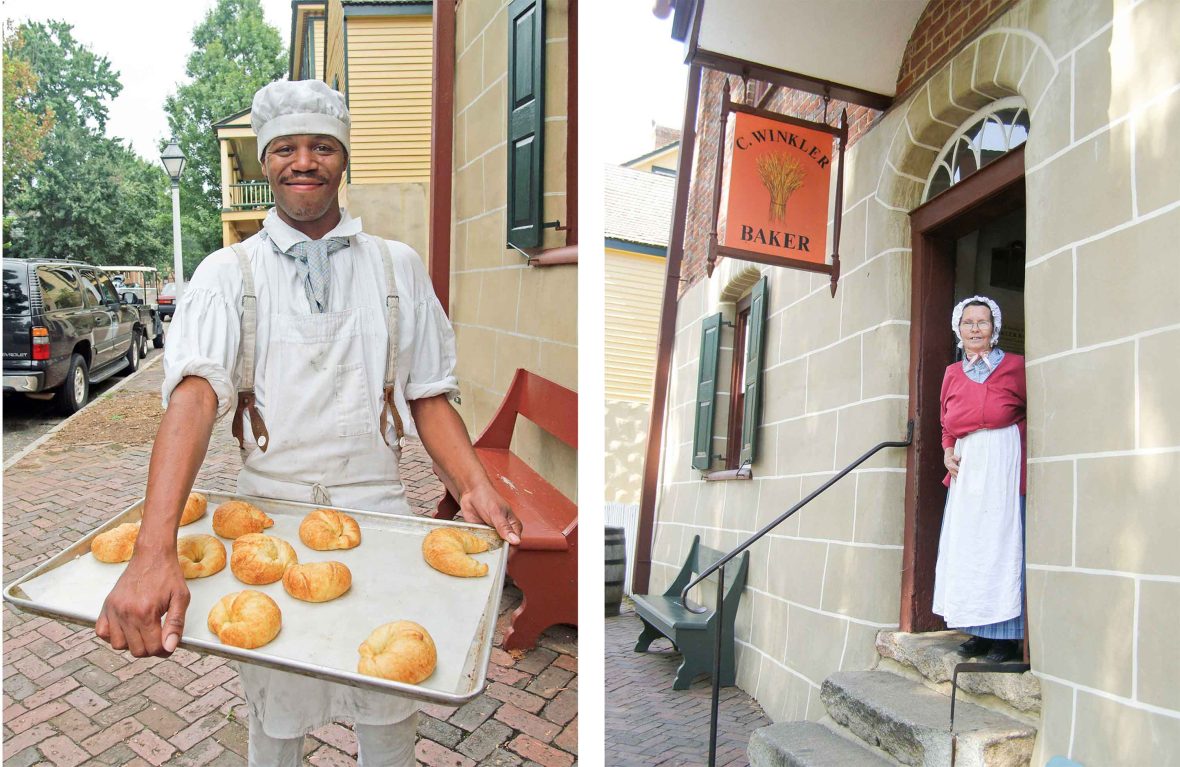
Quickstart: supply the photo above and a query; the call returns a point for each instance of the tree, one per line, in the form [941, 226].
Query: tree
[86, 196]
[235, 52]
[24, 125]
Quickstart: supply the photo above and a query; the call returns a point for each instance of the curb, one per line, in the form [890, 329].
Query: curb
[49, 434]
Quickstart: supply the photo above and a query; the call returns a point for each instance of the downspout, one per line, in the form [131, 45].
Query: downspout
[442, 143]
[667, 340]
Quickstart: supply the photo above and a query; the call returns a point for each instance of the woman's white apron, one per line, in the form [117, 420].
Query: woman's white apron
[980, 550]
[325, 432]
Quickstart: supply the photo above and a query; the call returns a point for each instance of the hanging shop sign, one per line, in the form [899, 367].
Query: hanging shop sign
[773, 186]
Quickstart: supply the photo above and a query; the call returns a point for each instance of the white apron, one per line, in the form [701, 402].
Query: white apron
[323, 430]
[980, 550]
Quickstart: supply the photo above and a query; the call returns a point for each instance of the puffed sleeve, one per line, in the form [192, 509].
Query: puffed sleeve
[204, 337]
[431, 363]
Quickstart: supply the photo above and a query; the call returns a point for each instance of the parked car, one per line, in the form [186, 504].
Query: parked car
[139, 286]
[168, 301]
[65, 329]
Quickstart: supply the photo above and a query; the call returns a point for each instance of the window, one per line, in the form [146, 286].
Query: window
[90, 292]
[526, 121]
[744, 413]
[59, 288]
[989, 134]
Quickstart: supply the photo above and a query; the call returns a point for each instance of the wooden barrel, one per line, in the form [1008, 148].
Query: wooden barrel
[616, 568]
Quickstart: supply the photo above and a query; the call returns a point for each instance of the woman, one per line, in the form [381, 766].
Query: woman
[978, 581]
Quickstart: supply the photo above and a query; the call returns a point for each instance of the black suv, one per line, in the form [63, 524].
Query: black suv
[65, 329]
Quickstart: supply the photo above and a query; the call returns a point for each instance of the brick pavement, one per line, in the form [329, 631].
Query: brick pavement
[648, 724]
[68, 699]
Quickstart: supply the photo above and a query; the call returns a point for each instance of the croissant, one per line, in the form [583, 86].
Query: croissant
[245, 619]
[200, 555]
[401, 651]
[115, 545]
[237, 518]
[317, 581]
[194, 508]
[446, 549]
[327, 529]
[258, 559]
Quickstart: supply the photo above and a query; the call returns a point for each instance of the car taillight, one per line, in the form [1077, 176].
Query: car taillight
[40, 343]
[167, 301]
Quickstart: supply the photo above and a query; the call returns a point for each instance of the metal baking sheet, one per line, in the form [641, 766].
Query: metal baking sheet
[390, 581]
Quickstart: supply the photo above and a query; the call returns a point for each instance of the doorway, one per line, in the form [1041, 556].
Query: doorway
[967, 240]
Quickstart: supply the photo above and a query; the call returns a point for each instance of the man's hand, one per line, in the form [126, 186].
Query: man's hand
[130, 619]
[484, 504]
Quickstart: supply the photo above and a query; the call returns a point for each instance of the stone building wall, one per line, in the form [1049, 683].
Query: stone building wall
[1102, 85]
[508, 315]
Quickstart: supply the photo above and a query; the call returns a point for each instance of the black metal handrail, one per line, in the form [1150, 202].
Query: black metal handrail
[719, 565]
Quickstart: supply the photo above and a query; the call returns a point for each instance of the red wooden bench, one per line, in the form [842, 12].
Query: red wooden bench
[544, 565]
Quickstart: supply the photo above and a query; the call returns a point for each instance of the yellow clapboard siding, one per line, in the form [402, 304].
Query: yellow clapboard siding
[317, 28]
[390, 87]
[634, 289]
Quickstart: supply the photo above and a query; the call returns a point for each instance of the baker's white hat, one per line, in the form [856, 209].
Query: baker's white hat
[294, 107]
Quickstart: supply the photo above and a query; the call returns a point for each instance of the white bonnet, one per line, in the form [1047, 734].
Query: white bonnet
[294, 107]
[957, 315]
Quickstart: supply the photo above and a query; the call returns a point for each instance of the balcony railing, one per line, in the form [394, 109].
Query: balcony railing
[250, 194]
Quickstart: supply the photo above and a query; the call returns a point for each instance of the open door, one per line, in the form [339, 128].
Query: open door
[967, 240]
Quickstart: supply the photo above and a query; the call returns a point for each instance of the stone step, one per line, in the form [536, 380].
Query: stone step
[808, 744]
[911, 722]
[933, 656]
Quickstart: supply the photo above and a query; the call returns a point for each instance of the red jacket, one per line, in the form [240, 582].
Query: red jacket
[998, 402]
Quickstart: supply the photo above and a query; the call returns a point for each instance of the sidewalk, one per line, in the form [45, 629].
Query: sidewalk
[68, 699]
[648, 724]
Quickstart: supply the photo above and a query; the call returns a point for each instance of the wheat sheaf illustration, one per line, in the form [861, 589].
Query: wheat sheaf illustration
[781, 175]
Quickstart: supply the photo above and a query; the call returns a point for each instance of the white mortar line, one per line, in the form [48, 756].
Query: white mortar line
[480, 156]
[1136, 386]
[1074, 259]
[484, 214]
[836, 443]
[825, 613]
[823, 582]
[768, 477]
[1134, 175]
[1073, 561]
[1104, 344]
[516, 334]
[855, 501]
[487, 269]
[1161, 96]
[838, 408]
[1143, 451]
[784, 537]
[480, 95]
[1135, 646]
[1073, 98]
[775, 661]
[1000, 58]
[1106, 573]
[1073, 722]
[844, 650]
[862, 332]
[1137, 705]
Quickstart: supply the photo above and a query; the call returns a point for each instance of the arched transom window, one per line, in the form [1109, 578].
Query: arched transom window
[990, 133]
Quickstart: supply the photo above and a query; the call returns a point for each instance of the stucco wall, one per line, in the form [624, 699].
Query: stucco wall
[394, 211]
[1102, 340]
[508, 315]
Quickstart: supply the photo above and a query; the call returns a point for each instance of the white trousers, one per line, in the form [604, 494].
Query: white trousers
[380, 745]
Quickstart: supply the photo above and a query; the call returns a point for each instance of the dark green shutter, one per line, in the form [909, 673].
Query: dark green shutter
[526, 120]
[755, 335]
[702, 435]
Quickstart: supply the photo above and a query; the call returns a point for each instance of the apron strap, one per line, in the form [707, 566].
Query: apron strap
[246, 398]
[388, 401]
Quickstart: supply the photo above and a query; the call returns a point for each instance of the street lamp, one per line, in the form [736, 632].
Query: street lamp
[173, 160]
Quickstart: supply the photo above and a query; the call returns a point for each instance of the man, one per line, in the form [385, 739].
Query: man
[323, 407]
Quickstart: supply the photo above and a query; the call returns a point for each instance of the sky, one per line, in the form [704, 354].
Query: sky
[151, 65]
[639, 51]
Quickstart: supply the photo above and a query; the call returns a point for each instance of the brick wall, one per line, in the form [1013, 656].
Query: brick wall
[941, 28]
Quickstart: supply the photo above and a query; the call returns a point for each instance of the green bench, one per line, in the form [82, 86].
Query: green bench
[692, 634]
